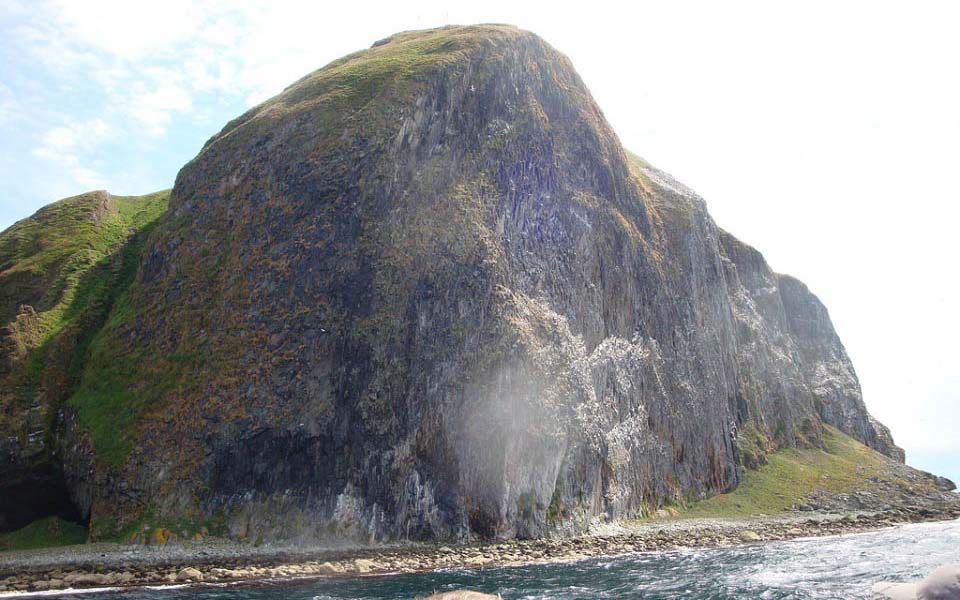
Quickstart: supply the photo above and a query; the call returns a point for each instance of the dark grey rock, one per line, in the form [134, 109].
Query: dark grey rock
[442, 301]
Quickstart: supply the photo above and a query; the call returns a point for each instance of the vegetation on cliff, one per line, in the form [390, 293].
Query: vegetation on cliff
[422, 293]
[61, 272]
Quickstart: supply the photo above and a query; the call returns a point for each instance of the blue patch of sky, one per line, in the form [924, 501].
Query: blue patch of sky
[69, 126]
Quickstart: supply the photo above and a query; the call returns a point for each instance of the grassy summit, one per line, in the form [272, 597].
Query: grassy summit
[358, 92]
[43, 258]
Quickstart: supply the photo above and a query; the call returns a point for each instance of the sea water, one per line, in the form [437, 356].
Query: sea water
[835, 567]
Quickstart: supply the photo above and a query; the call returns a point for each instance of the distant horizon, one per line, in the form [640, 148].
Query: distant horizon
[824, 136]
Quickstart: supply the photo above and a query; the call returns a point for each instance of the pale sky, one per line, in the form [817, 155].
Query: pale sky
[826, 134]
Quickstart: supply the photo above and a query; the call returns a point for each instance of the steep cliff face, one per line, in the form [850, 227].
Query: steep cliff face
[794, 373]
[424, 292]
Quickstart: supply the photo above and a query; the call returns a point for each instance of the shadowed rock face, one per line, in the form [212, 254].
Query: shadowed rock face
[425, 293]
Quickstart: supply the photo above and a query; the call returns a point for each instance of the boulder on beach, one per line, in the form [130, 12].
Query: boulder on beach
[942, 584]
[749, 536]
[461, 595]
[189, 574]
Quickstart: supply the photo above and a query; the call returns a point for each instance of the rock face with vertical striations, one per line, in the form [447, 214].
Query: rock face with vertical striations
[425, 293]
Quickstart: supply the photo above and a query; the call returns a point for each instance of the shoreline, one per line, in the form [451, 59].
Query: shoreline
[97, 566]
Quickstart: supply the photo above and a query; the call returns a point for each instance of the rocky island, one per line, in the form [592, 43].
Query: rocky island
[422, 295]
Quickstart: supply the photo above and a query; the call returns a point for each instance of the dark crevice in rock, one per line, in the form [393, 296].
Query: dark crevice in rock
[41, 493]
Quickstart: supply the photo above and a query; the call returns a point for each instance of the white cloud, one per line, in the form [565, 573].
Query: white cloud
[73, 136]
[8, 103]
[12, 7]
[130, 31]
[153, 107]
[64, 145]
[150, 59]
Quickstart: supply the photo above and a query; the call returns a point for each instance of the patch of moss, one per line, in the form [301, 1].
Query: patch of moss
[556, 511]
[148, 527]
[44, 533]
[66, 247]
[91, 247]
[528, 506]
[753, 445]
[104, 529]
[809, 433]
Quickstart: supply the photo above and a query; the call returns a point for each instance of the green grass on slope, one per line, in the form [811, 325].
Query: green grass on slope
[133, 213]
[50, 531]
[793, 474]
[117, 386]
[105, 397]
[55, 248]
